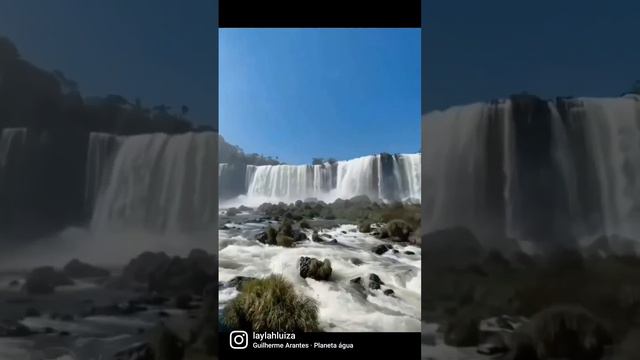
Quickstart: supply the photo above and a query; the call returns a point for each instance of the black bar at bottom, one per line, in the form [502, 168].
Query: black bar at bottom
[329, 345]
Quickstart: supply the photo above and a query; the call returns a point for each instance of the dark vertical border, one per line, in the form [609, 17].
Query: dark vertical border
[320, 13]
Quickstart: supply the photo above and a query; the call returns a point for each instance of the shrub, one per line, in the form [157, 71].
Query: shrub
[284, 240]
[400, 229]
[304, 225]
[271, 304]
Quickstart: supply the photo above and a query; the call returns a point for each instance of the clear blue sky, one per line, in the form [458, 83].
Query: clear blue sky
[163, 51]
[479, 50]
[304, 93]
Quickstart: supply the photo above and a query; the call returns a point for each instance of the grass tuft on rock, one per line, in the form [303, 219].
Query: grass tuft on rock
[271, 304]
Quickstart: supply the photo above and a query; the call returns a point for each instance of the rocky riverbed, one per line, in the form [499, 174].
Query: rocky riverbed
[363, 271]
[155, 306]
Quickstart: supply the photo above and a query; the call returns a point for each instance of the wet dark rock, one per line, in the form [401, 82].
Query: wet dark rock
[180, 275]
[409, 253]
[493, 345]
[44, 280]
[396, 251]
[140, 268]
[314, 268]
[232, 212]
[304, 225]
[299, 236]
[462, 329]
[452, 247]
[382, 248]
[375, 282]
[32, 312]
[77, 269]
[356, 261]
[562, 332]
[10, 328]
[389, 292]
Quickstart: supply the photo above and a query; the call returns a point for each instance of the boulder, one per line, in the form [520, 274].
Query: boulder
[382, 248]
[452, 247]
[314, 268]
[179, 275]
[13, 329]
[140, 268]
[299, 236]
[562, 332]
[388, 292]
[375, 282]
[462, 329]
[44, 280]
[399, 230]
[77, 269]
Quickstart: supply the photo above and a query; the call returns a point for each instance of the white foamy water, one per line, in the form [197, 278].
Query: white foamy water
[341, 307]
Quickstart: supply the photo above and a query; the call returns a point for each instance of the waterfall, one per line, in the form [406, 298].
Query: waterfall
[155, 182]
[11, 141]
[101, 152]
[557, 171]
[380, 177]
[13, 159]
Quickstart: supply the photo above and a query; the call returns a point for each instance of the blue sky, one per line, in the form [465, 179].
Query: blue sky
[304, 93]
[480, 50]
[162, 51]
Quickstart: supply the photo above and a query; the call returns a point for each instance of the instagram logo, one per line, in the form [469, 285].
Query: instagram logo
[239, 339]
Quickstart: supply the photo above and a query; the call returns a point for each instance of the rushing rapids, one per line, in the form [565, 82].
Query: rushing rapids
[545, 172]
[380, 177]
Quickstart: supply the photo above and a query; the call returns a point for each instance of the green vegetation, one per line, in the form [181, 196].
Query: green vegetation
[271, 304]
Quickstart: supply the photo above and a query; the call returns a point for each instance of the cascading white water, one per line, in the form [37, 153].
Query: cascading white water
[541, 171]
[11, 140]
[157, 182]
[102, 148]
[399, 179]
